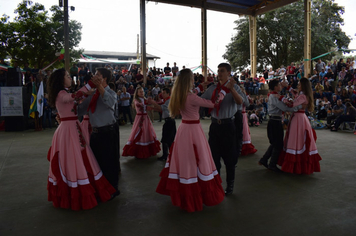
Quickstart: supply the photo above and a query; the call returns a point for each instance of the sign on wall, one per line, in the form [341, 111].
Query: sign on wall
[11, 101]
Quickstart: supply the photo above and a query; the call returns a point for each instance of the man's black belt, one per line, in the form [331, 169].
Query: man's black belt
[221, 121]
[105, 128]
[275, 117]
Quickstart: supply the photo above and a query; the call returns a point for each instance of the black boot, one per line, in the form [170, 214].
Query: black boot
[165, 152]
[230, 188]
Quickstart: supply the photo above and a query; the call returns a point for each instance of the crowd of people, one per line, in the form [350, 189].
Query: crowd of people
[333, 86]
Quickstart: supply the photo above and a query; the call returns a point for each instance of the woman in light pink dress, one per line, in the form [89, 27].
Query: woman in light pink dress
[300, 154]
[190, 177]
[247, 146]
[75, 180]
[143, 141]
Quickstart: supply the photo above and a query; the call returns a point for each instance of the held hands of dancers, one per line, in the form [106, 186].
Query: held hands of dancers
[97, 81]
[230, 84]
[284, 84]
[91, 84]
[224, 90]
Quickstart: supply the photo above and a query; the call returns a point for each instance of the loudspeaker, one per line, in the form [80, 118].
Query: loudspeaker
[13, 77]
[14, 123]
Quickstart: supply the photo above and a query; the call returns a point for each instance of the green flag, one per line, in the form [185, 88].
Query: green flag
[33, 107]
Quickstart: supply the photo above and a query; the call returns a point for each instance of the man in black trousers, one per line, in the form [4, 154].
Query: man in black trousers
[275, 131]
[104, 140]
[169, 126]
[222, 131]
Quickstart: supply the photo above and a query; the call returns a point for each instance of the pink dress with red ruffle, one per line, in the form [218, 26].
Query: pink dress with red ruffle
[300, 154]
[247, 146]
[75, 180]
[143, 141]
[190, 177]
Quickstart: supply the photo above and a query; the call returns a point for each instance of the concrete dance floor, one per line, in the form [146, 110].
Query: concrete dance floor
[264, 203]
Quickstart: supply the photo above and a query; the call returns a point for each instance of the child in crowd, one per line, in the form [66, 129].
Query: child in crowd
[253, 118]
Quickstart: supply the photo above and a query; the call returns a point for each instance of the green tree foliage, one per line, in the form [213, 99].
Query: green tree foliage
[280, 35]
[35, 37]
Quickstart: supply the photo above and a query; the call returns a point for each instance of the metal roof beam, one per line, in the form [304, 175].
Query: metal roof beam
[273, 6]
[209, 6]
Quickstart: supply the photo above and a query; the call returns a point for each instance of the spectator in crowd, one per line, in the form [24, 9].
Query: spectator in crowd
[128, 78]
[270, 73]
[315, 77]
[340, 65]
[175, 69]
[319, 66]
[155, 91]
[328, 90]
[333, 68]
[329, 75]
[322, 73]
[265, 73]
[138, 78]
[344, 95]
[338, 88]
[82, 73]
[342, 74]
[348, 117]
[253, 118]
[290, 71]
[167, 70]
[74, 72]
[151, 79]
[47, 113]
[323, 108]
[318, 86]
[125, 105]
[337, 111]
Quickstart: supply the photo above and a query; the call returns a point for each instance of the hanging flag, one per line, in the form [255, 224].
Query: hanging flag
[33, 107]
[40, 96]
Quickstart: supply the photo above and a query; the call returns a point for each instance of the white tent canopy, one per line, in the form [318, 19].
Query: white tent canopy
[108, 61]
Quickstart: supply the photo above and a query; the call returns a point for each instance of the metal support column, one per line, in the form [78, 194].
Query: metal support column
[143, 39]
[253, 44]
[307, 37]
[204, 56]
[66, 36]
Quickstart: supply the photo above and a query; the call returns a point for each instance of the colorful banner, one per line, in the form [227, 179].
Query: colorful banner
[11, 101]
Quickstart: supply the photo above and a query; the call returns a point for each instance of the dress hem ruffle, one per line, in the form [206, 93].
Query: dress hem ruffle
[303, 163]
[248, 149]
[80, 197]
[191, 197]
[142, 151]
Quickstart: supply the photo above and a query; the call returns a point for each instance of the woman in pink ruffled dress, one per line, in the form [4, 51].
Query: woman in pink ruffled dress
[143, 141]
[75, 180]
[190, 177]
[300, 154]
[247, 146]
